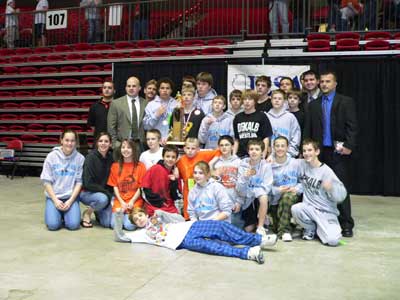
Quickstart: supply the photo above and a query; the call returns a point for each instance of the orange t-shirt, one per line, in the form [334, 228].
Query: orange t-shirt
[128, 182]
[185, 166]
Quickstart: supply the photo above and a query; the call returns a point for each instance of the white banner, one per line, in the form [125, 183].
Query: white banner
[56, 19]
[243, 77]
[115, 15]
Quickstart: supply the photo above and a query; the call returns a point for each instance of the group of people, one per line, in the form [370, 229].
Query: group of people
[272, 160]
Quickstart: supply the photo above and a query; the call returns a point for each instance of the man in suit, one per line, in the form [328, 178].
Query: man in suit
[125, 116]
[331, 120]
[310, 85]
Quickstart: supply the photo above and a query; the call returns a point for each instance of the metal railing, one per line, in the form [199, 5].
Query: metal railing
[187, 19]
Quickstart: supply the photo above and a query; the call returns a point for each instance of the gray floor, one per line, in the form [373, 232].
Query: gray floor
[87, 264]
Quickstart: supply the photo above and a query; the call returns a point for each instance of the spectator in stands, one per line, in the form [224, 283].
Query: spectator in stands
[125, 116]
[141, 21]
[40, 22]
[250, 125]
[97, 117]
[263, 87]
[368, 19]
[338, 138]
[310, 85]
[235, 103]
[96, 194]
[150, 90]
[205, 93]
[93, 16]
[159, 111]
[62, 180]
[12, 33]
[278, 14]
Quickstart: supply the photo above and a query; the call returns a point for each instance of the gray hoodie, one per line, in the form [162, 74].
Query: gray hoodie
[257, 185]
[62, 172]
[285, 124]
[313, 192]
[204, 103]
[206, 202]
[210, 133]
[227, 170]
[285, 174]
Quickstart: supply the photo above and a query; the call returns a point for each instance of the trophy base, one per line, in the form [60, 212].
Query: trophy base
[176, 143]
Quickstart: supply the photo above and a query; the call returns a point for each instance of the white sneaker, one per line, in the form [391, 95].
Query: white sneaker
[308, 236]
[261, 231]
[287, 237]
[268, 240]
[256, 254]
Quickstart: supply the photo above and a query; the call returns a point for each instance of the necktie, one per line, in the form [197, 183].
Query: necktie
[134, 122]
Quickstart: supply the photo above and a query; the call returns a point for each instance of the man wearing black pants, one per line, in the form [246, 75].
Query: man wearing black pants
[331, 120]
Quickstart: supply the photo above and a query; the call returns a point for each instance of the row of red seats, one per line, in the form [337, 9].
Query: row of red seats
[64, 81]
[118, 45]
[43, 128]
[47, 117]
[48, 105]
[115, 55]
[46, 93]
[64, 69]
[33, 139]
[372, 35]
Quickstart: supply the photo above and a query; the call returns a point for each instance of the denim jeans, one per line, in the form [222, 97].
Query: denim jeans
[54, 218]
[94, 30]
[140, 29]
[126, 224]
[100, 204]
[279, 12]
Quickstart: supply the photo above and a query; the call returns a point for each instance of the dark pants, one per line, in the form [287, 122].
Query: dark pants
[340, 165]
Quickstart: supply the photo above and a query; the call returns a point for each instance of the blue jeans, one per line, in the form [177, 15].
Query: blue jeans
[126, 224]
[279, 12]
[100, 204]
[54, 218]
[94, 30]
[140, 29]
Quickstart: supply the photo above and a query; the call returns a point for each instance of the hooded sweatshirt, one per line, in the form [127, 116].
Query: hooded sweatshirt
[227, 170]
[210, 133]
[314, 194]
[254, 186]
[285, 174]
[285, 124]
[95, 173]
[204, 103]
[62, 172]
[208, 201]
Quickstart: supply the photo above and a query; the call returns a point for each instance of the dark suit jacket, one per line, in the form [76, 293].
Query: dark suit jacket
[343, 121]
[119, 120]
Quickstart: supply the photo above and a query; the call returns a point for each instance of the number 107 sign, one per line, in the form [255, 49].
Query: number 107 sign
[56, 19]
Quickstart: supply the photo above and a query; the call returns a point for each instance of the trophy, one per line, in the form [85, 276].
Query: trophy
[180, 128]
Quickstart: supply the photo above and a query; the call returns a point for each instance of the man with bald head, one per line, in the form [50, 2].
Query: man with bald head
[125, 116]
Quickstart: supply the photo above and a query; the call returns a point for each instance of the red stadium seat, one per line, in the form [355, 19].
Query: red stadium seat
[42, 50]
[102, 47]
[85, 93]
[50, 82]
[10, 70]
[94, 56]
[6, 94]
[186, 52]
[44, 70]
[138, 54]
[29, 105]
[396, 36]
[28, 70]
[3, 60]
[74, 56]
[219, 41]
[318, 36]
[18, 128]
[84, 116]
[6, 139]
[69, 105]
[49, 140]
[160, 53]
[48, 117]
[23, 51]
[29, 138]
[169, 43]
[3, 128]
[36, 127]
[82, 47]
[377, 35]
[62, 48]
[16, 59]
[23, 94]
[48, 105]
[69, 69]
[107, 67]
[53, 58]
[69, 117]
[318, 45]
[35, 58]
[76, 128]
[28, 117]
[10, 105]
[124, 45]
[90, 68]
[29, 82]
[146, 44]
[43, 93]
[116, 55]
[64, 93]
[92, 80]
[193, 43]
[7, 52]
[347, 35]
[86, 104]
[8, 83]
[213, 51]
[54, 128]
[374, 45]
[69, 81]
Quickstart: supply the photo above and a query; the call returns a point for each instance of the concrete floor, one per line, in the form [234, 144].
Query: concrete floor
[87, 264]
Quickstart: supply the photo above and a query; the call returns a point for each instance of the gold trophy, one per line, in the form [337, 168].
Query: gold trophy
[180, 128]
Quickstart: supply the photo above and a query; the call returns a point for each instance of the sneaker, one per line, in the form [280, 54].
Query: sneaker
[256, 254]
[261, 231]
[308, 236]
[287, 237]
[268, 240]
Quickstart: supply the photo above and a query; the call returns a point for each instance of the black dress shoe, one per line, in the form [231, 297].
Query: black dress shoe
[347, 232]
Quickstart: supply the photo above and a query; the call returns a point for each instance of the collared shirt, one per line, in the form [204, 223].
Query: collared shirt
[137, 106]
[327, 101]
[313, 96]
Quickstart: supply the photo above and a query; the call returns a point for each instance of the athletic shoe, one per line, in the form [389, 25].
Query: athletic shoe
[256, 254]
[261, 231]
[308, 236]
[268, 240]
[287, 237]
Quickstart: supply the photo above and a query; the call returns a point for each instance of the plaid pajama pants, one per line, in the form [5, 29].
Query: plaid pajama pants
[216, 237]
[281, 213]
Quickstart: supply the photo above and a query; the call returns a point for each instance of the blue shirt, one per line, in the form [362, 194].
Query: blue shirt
[327, 101]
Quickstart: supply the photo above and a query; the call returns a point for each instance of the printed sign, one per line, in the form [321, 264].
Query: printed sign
[56, 19]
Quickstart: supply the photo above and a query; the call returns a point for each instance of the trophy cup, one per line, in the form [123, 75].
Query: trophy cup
[180, 128]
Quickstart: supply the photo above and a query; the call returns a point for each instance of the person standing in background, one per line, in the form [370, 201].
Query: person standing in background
[12, 34]
[40, 22]
[92, 15]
